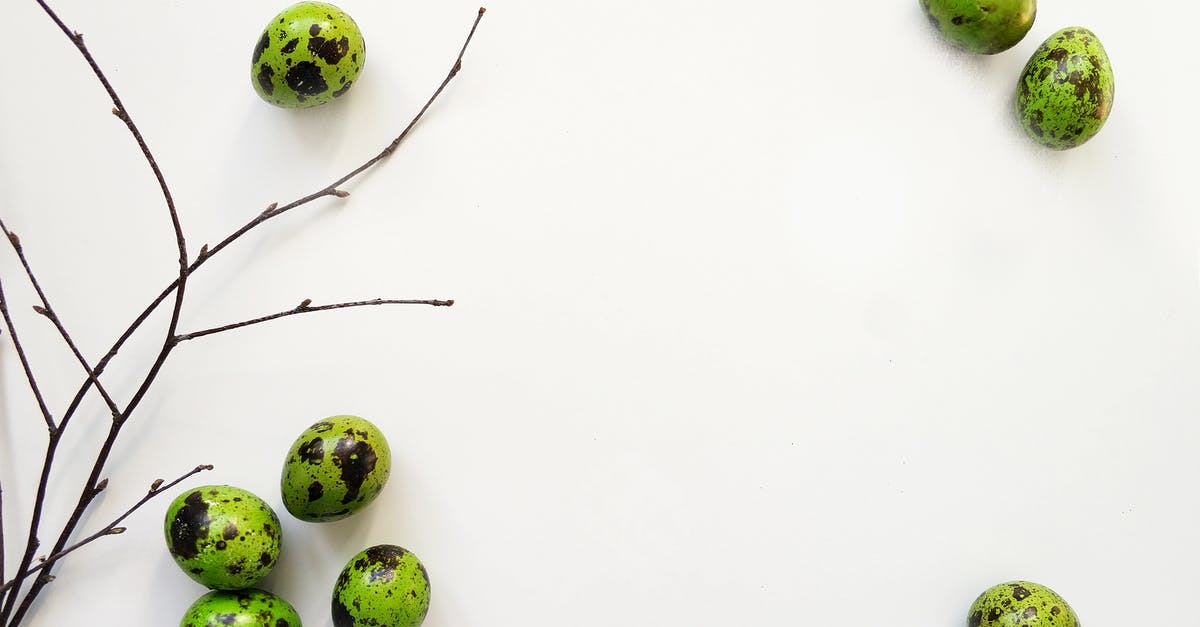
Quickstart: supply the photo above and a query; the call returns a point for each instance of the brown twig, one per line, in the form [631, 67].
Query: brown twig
[111, 529]
[39, 502]
[177, 288]
[2, 576]
[306, 307]
[33, 384]
[46, 310]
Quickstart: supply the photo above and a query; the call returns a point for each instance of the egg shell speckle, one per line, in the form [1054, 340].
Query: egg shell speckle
[334, 469]
[309, 54]
[1021, 604]
[243, 608]
[981, 27]
[383, 585]
[223, 537]
[1066, 90]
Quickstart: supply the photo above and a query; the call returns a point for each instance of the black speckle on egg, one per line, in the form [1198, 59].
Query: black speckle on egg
[313, 451]
[262, 46]
[355, 459]
[305, 79]
[265, 73]
[189, 526]
[341, 614]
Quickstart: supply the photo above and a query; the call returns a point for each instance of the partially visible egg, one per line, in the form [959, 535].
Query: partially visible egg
[309, 54]
[383, 585]
[334, 469]
[1021, 604]
[981, 26]
[1066, 90]
[242, 608]
[223, 537]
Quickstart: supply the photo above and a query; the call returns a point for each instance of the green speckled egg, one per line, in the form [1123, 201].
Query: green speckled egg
[981, 26]
[309, 54]
[335, 468]
[383, 585]
[242, 608]
[1066, 89]
[223, 537]
[1020, 604]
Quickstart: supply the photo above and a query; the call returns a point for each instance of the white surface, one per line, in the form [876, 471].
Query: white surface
[767, 313]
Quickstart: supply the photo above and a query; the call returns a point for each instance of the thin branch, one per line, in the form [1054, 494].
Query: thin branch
[122, 113]
[306, 307]
[111, 529]
[33, 384]
[2, 592]
[48, 311]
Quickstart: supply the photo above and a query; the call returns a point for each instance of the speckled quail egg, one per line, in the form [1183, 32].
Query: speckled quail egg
[383, 585]
[309, 54]
[1066, 90]
[335, 468]
[1020, 604]
[981, 26]
[223, 537]
[241, 608]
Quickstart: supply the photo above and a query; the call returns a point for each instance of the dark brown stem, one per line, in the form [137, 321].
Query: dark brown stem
[111, 528]
[2, 576]
[307, 307]
[33, 384]
[55, 433]
[48, 311]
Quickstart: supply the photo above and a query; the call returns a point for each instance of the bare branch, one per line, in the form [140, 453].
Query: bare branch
[33, 384]
[111, 529]
[305, 307]
[46, 310]
[2, 575]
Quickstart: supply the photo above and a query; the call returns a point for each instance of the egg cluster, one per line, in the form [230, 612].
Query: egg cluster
[229, 539]
[1065, 92]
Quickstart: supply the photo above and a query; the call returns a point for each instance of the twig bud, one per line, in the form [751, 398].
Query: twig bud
[305, 303]
[340, 193]
[16, 241]
[270, 208]
[101, 486]
[116, 531]
[203, 252]
[156, 485]
[204, 467]
[482, 10]
[41, 310]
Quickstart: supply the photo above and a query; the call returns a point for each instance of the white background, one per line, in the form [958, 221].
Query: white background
[768, 312]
